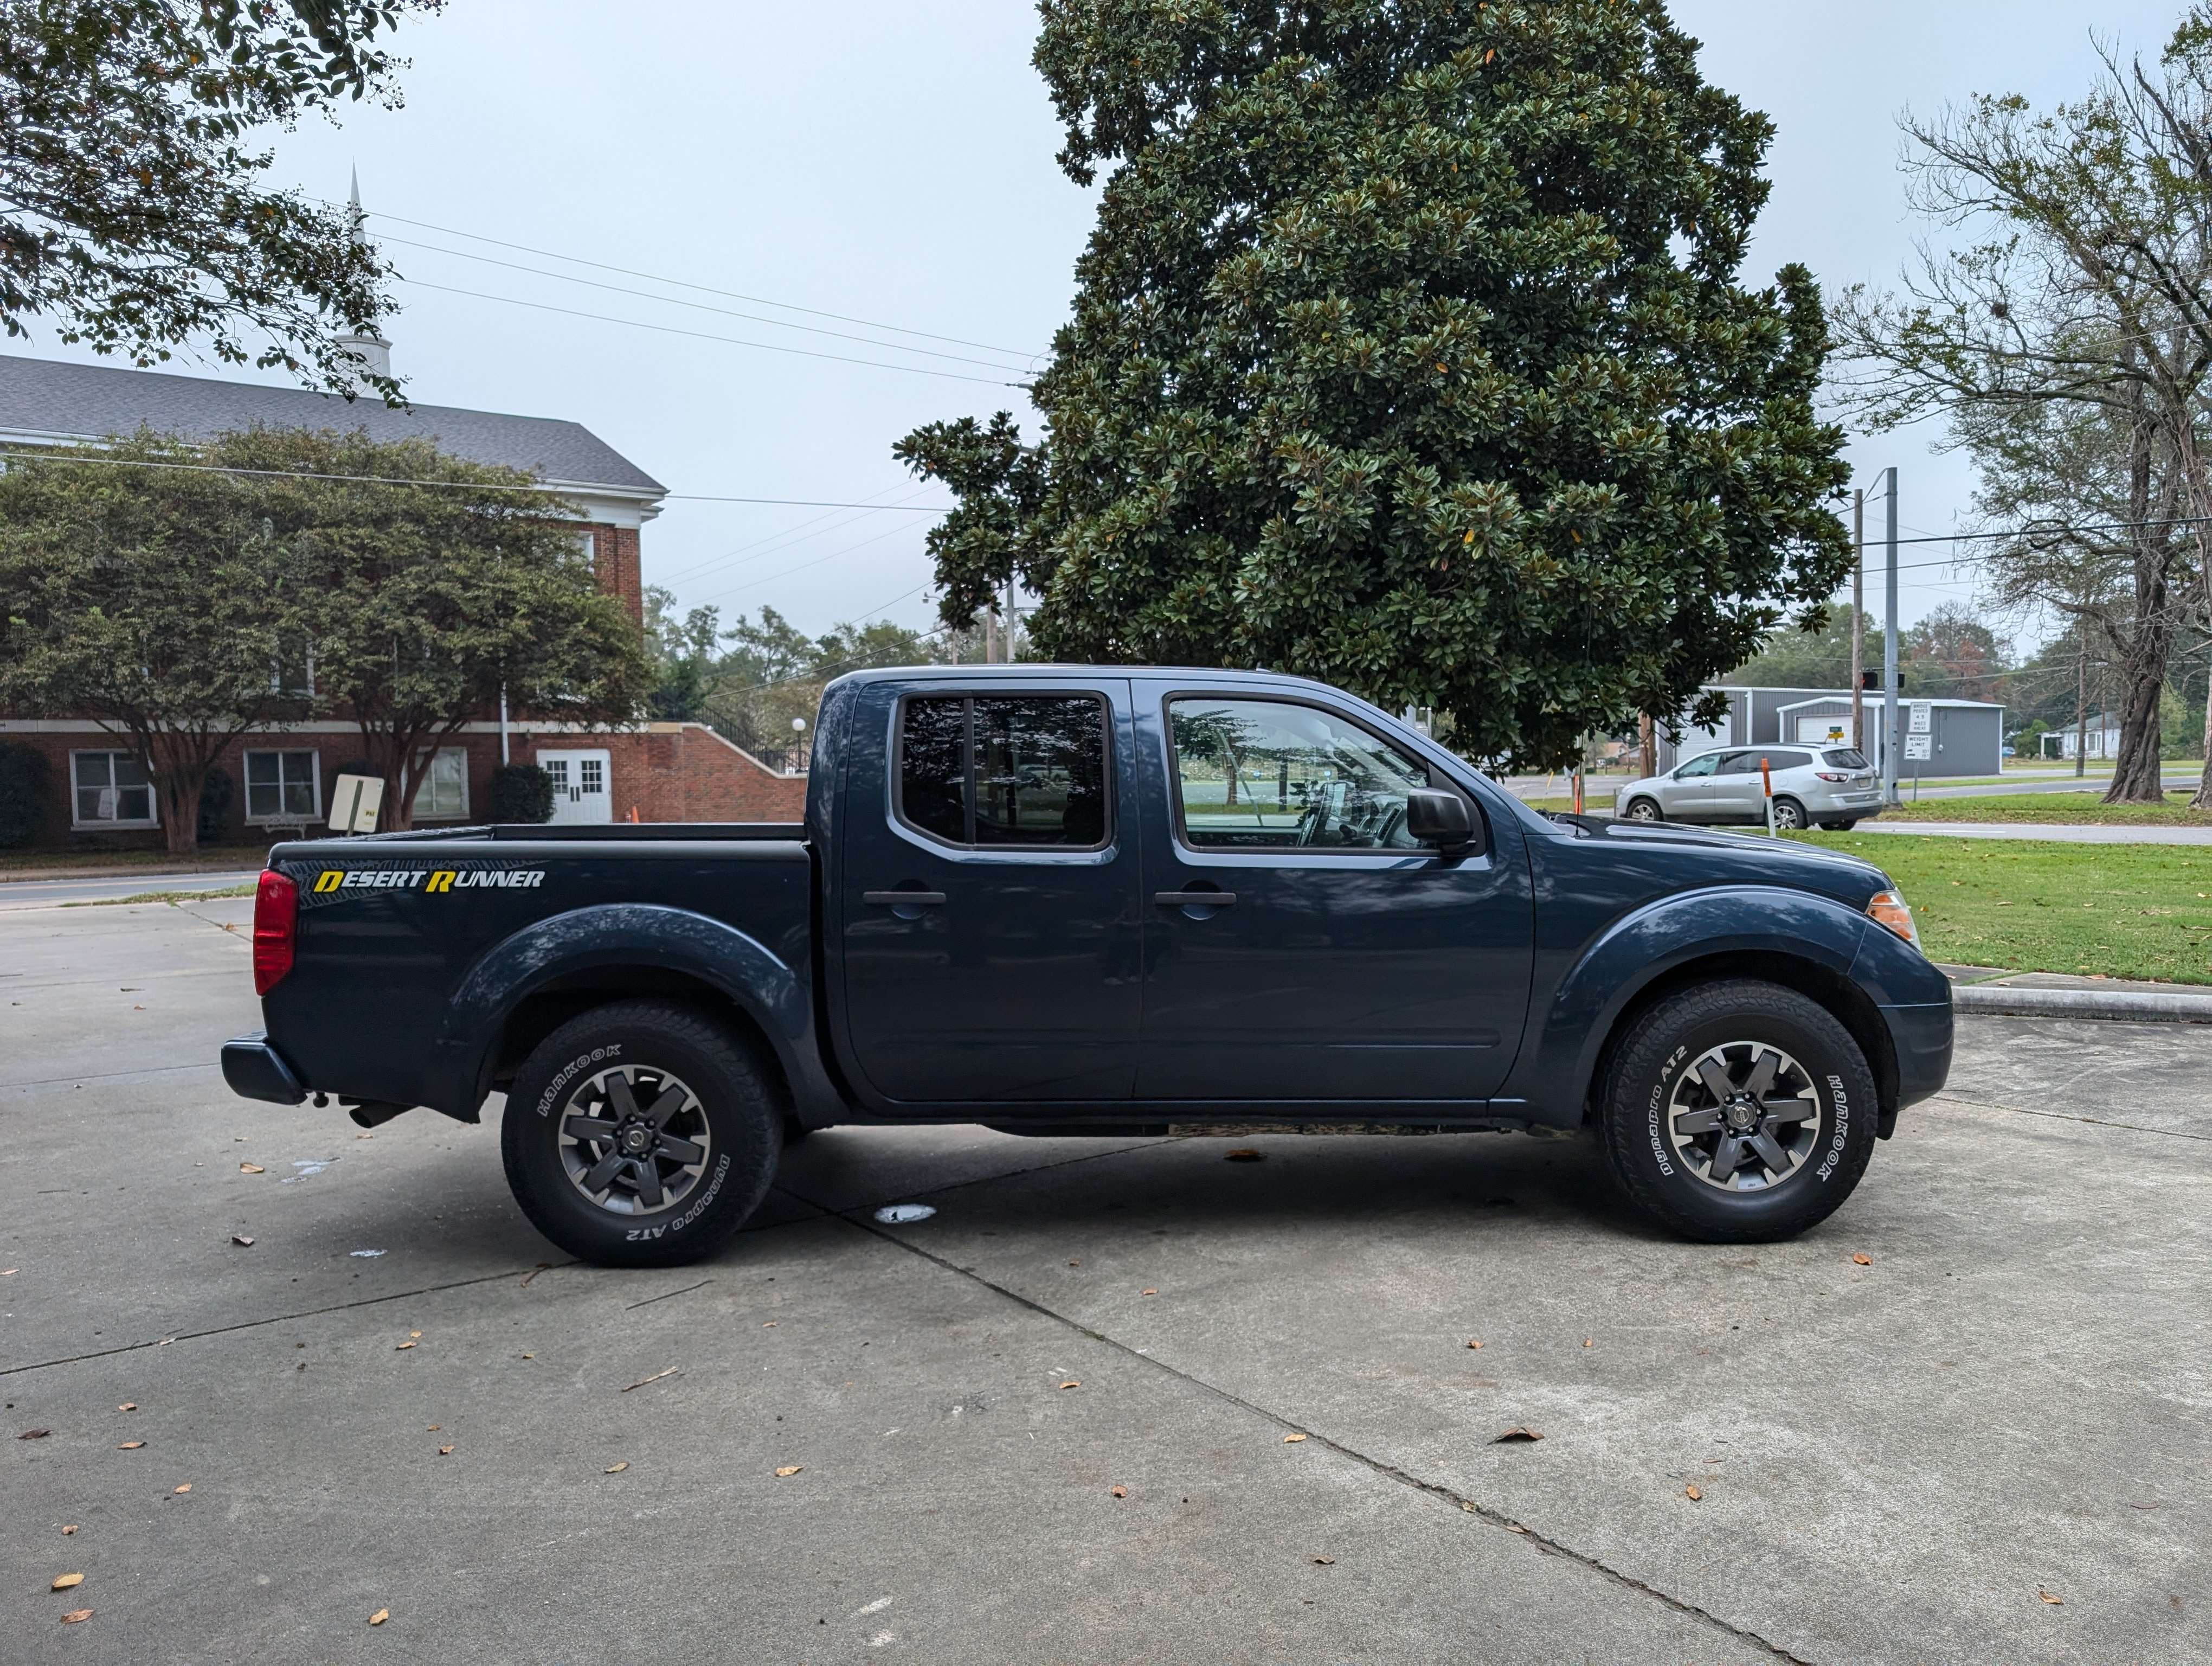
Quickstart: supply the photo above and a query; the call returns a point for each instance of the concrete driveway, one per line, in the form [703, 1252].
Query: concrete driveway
[1988, 1444]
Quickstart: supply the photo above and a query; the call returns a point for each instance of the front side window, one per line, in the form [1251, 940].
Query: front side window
[443, 793]
[281, 786]
[1697, 767]
[110, 790]
[998, 771]
[1262, 774]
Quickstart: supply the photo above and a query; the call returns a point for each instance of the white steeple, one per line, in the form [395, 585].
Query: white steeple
[371, 349]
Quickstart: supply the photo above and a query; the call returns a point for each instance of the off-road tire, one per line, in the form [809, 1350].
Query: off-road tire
[1643, 810]
[729, 1102]
[1650, 1066]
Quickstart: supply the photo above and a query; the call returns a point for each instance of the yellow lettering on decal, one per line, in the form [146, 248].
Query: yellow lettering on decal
[441, 880]
[330, 878]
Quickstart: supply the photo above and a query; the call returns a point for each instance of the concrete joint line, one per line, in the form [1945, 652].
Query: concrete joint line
[274, 1319]
[114, 1075]
[1482, 1512]
[2125, 1005]
[2068, 1116]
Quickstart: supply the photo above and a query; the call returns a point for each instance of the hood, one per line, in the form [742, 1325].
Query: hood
[1763, 860]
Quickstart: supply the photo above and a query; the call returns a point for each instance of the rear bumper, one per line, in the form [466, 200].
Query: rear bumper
[255, 1070]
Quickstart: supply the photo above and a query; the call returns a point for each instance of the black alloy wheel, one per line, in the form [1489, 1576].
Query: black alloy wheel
[1738, 1112]
[641, 1135]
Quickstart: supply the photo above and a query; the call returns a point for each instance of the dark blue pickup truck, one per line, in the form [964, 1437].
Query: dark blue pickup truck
[1066, 900]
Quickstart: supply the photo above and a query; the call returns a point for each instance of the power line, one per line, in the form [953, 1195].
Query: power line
[681, 283]
[672, 300]
[701, 335]
[773, 541]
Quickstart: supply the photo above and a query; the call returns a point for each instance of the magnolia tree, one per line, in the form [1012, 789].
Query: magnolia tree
[1409, 353]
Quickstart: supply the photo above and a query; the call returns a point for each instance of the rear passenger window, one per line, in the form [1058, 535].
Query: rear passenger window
[1005, 771]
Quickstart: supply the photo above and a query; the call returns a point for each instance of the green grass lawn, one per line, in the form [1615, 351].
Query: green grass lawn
[2079, 809]
[2141, 911]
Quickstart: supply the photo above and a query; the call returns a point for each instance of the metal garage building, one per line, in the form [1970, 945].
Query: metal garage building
[1964, 737]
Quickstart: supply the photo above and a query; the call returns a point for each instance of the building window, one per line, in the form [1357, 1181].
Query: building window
[443, 795]
[283, 787]
[112, 791]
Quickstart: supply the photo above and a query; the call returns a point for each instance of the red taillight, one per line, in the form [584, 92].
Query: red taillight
[275, 919]
[1824, 776]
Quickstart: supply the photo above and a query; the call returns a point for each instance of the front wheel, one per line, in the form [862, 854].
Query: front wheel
[1642, 810]
[641, 1133]
[1839, 827]
[1738, 1113]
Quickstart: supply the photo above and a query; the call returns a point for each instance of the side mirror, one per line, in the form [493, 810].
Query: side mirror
[1436, 817]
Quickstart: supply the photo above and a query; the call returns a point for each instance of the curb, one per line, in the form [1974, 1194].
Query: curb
[2126, 1005]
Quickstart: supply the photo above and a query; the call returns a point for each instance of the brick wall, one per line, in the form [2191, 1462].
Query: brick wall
[614, 553]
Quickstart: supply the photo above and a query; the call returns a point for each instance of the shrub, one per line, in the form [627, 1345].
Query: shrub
[521, 793]
[24, 784]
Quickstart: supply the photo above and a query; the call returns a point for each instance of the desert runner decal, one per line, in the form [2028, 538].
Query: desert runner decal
[338, 884]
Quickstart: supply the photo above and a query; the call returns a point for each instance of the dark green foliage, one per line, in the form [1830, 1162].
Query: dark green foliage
[26, 789]
[216, 791]
[521, 793]
[1407, 354]
[129, 215]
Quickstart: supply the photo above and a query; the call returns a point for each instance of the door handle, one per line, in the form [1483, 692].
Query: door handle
[911, 899]
[1194, 899]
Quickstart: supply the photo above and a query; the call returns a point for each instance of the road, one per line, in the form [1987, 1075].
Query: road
[46, 893]
[1900, 1461]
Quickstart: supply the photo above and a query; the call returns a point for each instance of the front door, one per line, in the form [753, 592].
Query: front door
[1687, 794]
[1344, 962]
[986, 895]
[581, 788]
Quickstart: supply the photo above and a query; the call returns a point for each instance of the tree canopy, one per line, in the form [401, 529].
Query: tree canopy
[1408, 353]
[132, 210]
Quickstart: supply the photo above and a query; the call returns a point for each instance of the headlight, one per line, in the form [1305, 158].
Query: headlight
[1889, 908]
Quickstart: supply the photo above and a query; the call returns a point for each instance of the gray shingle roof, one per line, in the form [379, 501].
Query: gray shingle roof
[39, 397]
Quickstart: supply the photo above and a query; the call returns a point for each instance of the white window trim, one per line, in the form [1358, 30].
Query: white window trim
[153, 797]
[460, 815]
[245, 789]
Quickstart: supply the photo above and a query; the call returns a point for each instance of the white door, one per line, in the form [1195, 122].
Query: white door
[581, 789]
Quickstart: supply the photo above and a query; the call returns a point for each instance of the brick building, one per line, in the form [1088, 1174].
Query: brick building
[280, 777]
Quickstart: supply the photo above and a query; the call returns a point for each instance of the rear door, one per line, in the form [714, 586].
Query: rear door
[985, 893]
[1343, 962]
[1738, 791]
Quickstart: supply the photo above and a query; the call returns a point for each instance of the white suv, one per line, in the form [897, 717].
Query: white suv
[1831, 787]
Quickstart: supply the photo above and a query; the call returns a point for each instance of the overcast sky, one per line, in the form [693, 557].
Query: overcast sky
[893, 164]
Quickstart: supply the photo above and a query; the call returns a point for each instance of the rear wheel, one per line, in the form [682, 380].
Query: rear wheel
[639, 1134]
[1789, 816]
[1738, 1113]
[1642, 810]
[1840, 827]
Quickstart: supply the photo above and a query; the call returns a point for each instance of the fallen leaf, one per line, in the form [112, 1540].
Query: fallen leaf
[1586, 1341]
[1075, 1263]
[67, 1581]
[76, 1616]
[616, 1469]
[1325, 1561]
[1516, 1529]
[1242, 1154]
[1292, 1440]
[1475, 1344]
[444, 1452]
[1863, 1261]
[34, 1434]
[1071, 1384]
[1121, 1492]
[432, 1429]
[9, 1272]
[243, 1240]
[1151, 1292]
[1517, 1435]
[128, 1406]
[402, 1347]
[530, 1355]
[252, 1167]
[414, 1332]
[655, 1378]
[2054, 1602]
[131, 1445]
[789, 1469]
[379, 1616]
[186, 1487]
[1691, 1494]
[67, 1531]
[770, 1325]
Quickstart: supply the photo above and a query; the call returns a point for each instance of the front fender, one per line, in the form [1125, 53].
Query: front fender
[1643, 946]
[773, 995]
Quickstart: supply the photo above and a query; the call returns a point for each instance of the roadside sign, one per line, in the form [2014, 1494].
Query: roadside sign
[1923, 715]
[1919, 747]
[355, 800]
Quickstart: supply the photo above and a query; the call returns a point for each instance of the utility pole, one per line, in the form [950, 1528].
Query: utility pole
[2081, 695]
[1892, 742]
[1858, 620]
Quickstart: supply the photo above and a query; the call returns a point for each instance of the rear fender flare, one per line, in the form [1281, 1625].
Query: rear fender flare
[764, 988]
[1642, 947]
